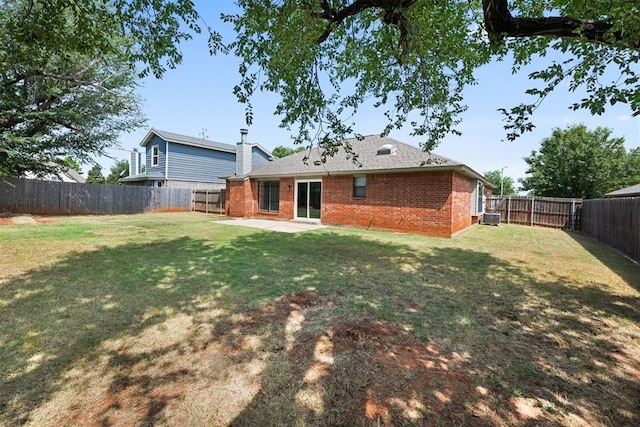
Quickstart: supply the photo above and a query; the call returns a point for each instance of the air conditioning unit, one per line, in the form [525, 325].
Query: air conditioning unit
[491, 219]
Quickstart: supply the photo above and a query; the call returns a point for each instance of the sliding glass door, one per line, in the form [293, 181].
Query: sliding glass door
[308, 199]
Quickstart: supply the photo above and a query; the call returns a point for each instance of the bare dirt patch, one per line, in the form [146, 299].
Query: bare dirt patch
[19, 219]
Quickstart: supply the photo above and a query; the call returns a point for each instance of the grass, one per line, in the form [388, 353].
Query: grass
[176, 319]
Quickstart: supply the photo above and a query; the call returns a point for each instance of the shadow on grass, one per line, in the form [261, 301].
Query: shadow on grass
[351, 331]
[615, 260]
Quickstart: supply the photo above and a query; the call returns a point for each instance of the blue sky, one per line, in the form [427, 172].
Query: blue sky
[196, 98]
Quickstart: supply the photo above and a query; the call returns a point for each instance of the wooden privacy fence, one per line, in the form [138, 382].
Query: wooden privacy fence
[208, 201]
[50, 197]
[615, 222]
[541, 211]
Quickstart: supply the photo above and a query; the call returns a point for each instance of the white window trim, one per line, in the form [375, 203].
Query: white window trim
[166, 160]
[155, 157]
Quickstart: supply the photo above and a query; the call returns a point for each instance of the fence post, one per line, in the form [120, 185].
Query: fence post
[532, 203]
[573, 214]
[206, 201]
[508, 209]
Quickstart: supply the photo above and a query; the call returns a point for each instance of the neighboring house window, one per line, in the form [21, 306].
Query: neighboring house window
[155, 155]
[359, 186]
[480, 206]
[269, 196]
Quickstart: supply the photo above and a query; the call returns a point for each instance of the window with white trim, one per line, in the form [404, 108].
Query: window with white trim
[155, 155]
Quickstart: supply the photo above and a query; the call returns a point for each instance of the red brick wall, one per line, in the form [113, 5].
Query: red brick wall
[461, 202]
[238, 198]
[285, 210]
[242, 199]
[413, 202]
[434, 203]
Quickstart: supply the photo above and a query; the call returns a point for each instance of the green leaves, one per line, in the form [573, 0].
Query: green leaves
[324, 70]
[577, 162]
[412, 59]
[69, 70]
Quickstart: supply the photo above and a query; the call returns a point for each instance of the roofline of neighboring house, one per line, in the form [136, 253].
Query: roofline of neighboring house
[464, 169]
[631, 191]
[230, 149]
[264, 150]
[153, 131]
[141, 177]
[74, 175]
[614, 195]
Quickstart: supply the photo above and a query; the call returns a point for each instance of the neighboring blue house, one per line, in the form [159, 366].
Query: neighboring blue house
[175, 160]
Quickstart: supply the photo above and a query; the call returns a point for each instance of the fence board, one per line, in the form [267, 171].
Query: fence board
[52, 197]
[208, 201]
[615, 222]
[540, 211]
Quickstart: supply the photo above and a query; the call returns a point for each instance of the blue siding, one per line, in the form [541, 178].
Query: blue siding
[188, 163]
[162, 158]
[258, 156]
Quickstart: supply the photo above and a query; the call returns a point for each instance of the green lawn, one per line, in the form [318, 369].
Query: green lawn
[173, 319]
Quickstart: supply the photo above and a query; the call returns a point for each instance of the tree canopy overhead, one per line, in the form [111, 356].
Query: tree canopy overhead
[412, 58]
[69, 70]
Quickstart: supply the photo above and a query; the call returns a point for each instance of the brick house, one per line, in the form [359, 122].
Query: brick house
[395, 186]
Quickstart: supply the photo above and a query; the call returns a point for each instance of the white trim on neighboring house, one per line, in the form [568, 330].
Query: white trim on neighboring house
[166, 161]
[157, 157]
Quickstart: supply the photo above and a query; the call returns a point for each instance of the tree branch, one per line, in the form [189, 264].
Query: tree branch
[73, 79]
[391, 15]
[500, 24]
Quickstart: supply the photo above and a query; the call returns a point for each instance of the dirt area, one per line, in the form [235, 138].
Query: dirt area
[24, 219]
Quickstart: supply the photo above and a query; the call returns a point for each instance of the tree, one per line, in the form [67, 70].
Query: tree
[576, 162]
[499, 180]
[94, 176]
[70, 163]
[68, 73]
[325, 58]
[282, 151]
[119, 170]
[633, 167]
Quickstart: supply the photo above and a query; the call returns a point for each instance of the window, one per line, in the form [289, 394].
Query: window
[269, 196]
[155, 155]
[359, 186]
[480, 205]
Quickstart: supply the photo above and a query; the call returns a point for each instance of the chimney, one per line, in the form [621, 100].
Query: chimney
[243, 154]
[135, 166]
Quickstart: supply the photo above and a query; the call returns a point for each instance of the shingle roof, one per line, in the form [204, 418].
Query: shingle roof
[406, 158]
[188, 140]
[632, 191]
